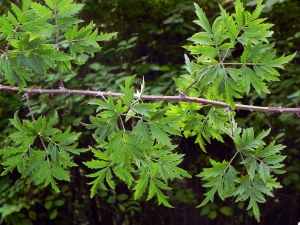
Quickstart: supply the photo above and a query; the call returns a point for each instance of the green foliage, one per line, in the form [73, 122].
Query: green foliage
[141, 157]
[259, 162]
[45, 165]
[213, 77]
[136, 139]
[34, 44]
[217, 79]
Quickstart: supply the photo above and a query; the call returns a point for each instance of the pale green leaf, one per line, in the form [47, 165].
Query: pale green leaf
[98, 182]
[257, 10]
[273, 159]
[202, 38]
[265, 74]
[63, 3]
[226, 46]
[263, 171]
[52, 121]
[250, 77]
[59, 173]
[279, 61]
[229, 24]
[217, 169]
[270, 150]
[140, 187]
[69, 10]
[25, 5]
[144, 108]
[41, 10]
[16, 122]
[205, 51]
[17, 12]
[209, 197]
[105, 37]
[50, 3]
[108, 177]
[239, 14]
[160, 135]
[203, 21]
[141, 132]
[8, 72]
[162, 199]
[96, 164]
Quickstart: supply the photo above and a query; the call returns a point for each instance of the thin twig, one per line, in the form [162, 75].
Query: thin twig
[28, 106]
[137, 117]
[203, 73]
[191, 85]
[227, 110]
[222, 62]
[234, 63]
[231, 160]
[26, 95]
[242, 157]
[56, 47]
[179, 98]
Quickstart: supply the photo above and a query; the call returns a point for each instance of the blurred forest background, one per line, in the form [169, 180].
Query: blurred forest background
[149, 43]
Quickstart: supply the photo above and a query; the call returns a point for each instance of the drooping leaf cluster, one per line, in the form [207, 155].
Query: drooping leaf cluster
[261, 163]
[42, 153]
[141, 156]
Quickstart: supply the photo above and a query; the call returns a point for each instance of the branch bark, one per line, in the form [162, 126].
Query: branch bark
[180, 98]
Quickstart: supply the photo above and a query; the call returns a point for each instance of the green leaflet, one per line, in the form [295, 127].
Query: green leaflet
[203, 21]
[141, 133]
[144, 108]
[128, 91]
[204, 51]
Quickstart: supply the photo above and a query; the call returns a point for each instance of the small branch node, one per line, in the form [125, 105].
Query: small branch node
[182, 94]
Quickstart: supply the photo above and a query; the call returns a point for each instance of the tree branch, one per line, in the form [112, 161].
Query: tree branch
[180, 98]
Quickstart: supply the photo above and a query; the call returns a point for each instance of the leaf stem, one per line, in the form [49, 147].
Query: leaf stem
[227, 110]
[26, 95]
[231, 160]
[56, 47]
[234, 63]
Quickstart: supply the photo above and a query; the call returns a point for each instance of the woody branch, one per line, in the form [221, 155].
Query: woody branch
[180, 98]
